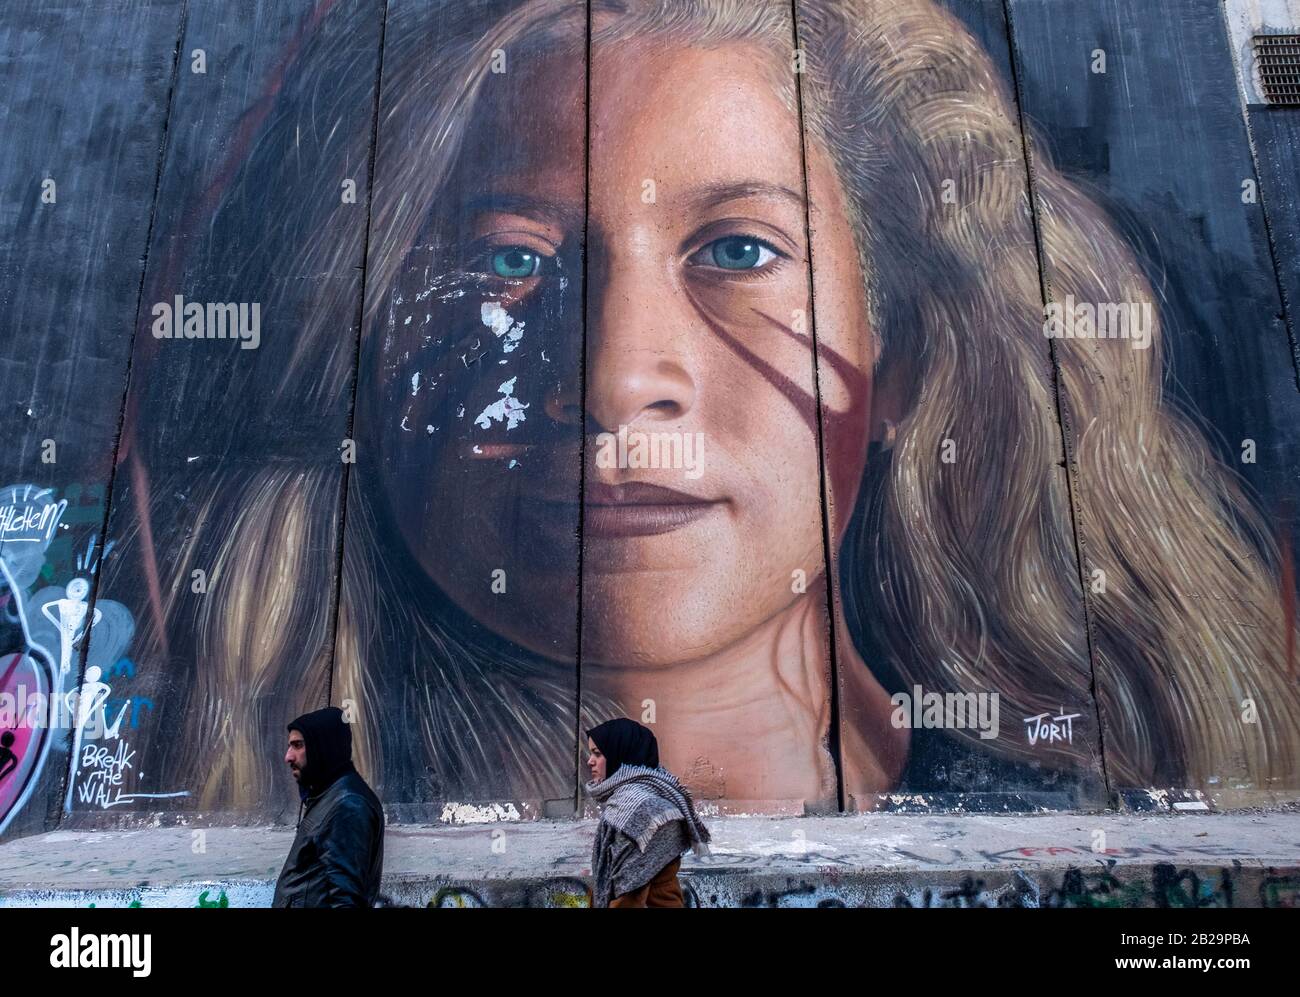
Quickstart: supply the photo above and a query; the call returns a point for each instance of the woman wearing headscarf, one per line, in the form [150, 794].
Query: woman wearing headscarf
[647, 819]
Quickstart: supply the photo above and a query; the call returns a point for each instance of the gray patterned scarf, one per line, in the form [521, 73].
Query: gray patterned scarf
[638, 801]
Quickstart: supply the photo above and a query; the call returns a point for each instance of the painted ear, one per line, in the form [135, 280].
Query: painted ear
[893, 391]
[887, 434]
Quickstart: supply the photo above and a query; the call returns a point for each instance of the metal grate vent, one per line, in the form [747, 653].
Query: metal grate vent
[1278, 59]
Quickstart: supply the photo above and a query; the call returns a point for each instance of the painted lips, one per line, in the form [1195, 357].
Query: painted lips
[639, 509]
[635, 509]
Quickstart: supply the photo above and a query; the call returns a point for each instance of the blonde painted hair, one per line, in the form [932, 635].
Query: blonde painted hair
[967, 576]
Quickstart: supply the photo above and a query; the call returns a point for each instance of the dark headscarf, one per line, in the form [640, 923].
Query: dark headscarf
[329, 749]
[624, 742]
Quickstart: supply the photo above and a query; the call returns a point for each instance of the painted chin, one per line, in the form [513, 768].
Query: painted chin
[650, 541]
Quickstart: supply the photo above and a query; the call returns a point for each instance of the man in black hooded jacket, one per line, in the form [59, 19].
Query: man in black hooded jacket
[337, 856]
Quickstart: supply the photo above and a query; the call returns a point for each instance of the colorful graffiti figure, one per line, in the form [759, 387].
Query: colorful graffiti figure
[34, 681]
[8, 760]
[29, 518]
[87, 703]
[69, 617]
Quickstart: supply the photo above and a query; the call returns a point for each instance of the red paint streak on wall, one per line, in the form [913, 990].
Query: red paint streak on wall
[202, 207]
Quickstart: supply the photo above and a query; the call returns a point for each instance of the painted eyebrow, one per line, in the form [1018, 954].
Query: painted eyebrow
[712, 194]
[539, 209]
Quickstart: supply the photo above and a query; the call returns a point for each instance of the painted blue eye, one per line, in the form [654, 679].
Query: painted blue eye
[516, 263]
[739, 252]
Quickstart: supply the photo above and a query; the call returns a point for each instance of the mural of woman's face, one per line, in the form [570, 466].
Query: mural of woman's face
[697, 307]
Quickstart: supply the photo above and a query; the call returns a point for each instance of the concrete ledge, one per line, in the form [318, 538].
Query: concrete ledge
[1080, 860]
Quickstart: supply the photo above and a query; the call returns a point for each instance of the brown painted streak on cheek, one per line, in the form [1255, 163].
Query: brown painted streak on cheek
[802, 401]
[846, 431]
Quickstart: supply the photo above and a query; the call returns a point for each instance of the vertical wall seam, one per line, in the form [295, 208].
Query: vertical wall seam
[582, 423]
[356, 359]
[66, 787]
[828, 560]
[1044, 287]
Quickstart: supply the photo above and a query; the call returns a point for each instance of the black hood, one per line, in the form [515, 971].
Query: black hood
[329, 749]
[624, 742]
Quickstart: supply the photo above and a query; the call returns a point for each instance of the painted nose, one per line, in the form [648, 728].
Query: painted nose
[638, 360]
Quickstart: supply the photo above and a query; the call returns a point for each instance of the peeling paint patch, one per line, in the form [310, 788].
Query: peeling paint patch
[468, 813]
[908, 800]
[509, 409]
[793, 846]
[499, 321]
